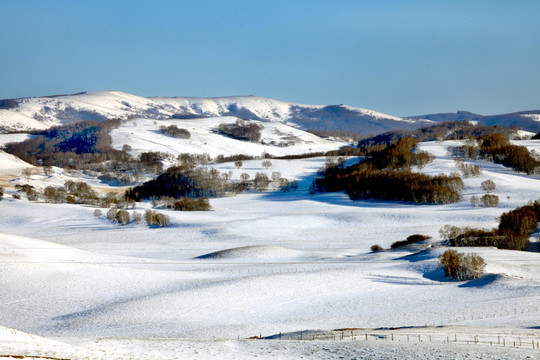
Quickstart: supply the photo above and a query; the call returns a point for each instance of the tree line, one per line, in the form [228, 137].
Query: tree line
[513, 232]
[497, 148]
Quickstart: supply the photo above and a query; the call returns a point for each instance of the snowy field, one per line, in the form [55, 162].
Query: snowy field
[260, 264]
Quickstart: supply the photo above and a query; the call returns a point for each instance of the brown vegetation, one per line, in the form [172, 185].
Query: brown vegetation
[413, 239]
[385, 175]
[515, 228]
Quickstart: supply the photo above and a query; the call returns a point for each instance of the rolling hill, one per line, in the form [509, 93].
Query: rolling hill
[43, 112]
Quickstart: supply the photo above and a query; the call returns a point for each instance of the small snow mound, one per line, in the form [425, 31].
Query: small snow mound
[258, 252]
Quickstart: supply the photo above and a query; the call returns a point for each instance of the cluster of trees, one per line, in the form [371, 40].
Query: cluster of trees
[497, 148]
[70, 146]
[488, 200]
[385, 175]
[403, 185]
[189, 204]
[515, 228]
[187, 182]
[72, 192]
[175, 131]
[242, 130]
[460, 266]
[413, 239]
[123, 217]
[179, 181]
[520, 222]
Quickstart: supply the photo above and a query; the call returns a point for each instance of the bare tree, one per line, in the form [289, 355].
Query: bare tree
[122, 216]
[490, 200]
[261, 181]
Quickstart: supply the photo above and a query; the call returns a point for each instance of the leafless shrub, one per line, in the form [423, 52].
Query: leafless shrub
[111, 214]
[154, 218]
[488, 186]
[123, 217]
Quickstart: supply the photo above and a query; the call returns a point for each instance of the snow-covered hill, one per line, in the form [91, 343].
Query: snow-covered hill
[41, 112]
[525, 120]
[276, 138]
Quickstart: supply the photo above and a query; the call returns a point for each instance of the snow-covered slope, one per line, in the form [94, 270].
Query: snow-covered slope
[31, 113]
[276, 138]
[264, 264]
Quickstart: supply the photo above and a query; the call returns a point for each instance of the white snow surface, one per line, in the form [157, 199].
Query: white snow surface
[78, 286]
[535, 117]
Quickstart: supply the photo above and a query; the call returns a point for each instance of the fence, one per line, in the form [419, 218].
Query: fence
[521, 340]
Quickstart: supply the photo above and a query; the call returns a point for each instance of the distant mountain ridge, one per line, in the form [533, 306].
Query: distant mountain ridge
[43, 112]
[526, 120]
[47, 111]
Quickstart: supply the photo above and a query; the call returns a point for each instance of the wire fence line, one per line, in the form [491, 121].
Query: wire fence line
[522, 340]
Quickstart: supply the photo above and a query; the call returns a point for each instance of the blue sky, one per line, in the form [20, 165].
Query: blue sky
[399, 57]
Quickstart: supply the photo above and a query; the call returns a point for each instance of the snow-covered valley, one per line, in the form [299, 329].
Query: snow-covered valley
[260, 264]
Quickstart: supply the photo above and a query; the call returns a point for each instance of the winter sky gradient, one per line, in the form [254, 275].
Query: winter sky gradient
[398, 57]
